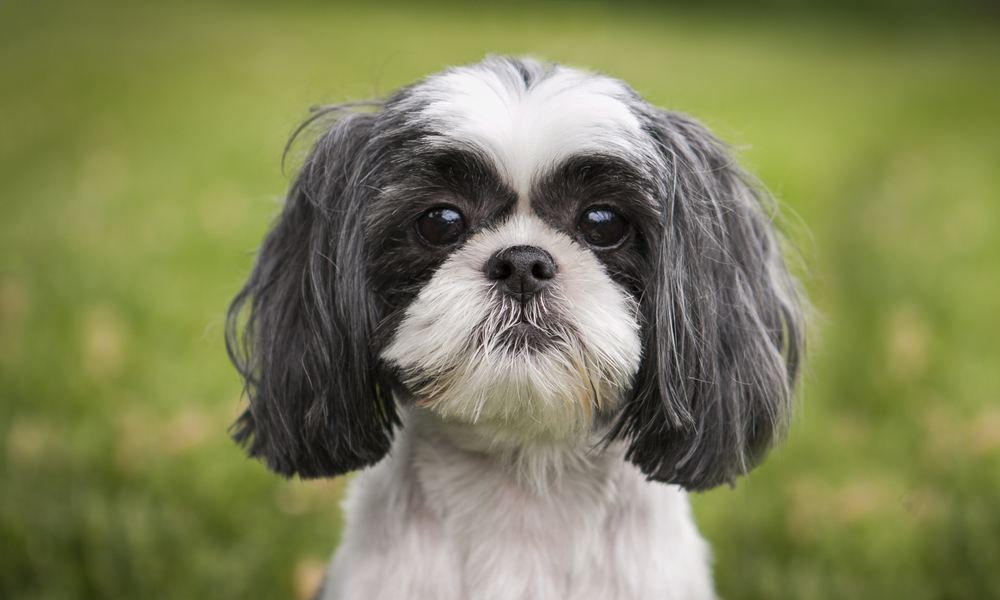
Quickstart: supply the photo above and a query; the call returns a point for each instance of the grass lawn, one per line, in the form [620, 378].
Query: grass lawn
[140, 165]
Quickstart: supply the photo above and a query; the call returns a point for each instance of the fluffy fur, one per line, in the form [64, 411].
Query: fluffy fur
[460, 364]
[524, 445]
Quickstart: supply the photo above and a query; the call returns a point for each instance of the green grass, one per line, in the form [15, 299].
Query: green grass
[139, 167]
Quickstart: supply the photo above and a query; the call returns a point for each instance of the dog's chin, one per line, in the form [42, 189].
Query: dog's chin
[523, 383]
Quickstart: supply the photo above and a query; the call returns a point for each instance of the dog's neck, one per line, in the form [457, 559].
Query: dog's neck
[543, 467]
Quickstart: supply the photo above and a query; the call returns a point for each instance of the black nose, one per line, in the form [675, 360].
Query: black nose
[521, 270]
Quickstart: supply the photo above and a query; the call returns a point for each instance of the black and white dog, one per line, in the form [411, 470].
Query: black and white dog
[534, 309]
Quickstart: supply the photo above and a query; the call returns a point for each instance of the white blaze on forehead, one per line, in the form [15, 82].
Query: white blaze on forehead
[526, 130]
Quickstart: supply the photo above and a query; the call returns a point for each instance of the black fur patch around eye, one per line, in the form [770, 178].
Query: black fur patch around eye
[401, 262]
[589, 180]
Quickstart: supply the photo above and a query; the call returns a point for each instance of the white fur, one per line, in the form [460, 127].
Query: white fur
[448, 333]
[437, 520]
[528, 130]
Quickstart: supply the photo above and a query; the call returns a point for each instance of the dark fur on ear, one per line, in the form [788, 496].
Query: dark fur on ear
[723, 330]
[315, 405]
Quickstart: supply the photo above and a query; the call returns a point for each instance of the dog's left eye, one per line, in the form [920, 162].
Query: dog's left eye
[441, 226]
[603, 227]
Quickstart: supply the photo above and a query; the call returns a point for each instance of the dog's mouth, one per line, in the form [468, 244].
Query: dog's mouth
[523, 329]
[524, 337]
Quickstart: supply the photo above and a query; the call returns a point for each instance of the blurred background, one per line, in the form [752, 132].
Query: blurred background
[140, 166]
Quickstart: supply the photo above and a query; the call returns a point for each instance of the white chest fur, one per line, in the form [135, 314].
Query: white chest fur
[438, 520]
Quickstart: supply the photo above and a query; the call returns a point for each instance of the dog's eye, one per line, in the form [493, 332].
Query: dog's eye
[441, 226]
[603, 227]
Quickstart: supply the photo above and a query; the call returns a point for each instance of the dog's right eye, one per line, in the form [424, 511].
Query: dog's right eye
[441, 226]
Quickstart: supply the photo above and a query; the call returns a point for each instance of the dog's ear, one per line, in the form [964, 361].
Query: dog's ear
[315, 405]
[722, 321]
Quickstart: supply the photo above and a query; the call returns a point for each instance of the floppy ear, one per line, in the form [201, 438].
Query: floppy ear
[722, 332]
[315, 406]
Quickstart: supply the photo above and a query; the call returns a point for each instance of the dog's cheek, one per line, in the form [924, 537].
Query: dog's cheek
[605, 315]
[439, 324]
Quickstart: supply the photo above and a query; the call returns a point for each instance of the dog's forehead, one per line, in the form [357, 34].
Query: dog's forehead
[526, 118]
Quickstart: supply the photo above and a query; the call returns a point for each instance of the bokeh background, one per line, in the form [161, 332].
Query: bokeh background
[140, 165]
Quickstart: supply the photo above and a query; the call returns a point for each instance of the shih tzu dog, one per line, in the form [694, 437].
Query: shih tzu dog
[534, 310]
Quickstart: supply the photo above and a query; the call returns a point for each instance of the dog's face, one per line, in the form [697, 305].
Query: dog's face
[529, 249]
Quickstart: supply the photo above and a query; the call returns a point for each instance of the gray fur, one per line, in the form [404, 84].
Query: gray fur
[723, 320]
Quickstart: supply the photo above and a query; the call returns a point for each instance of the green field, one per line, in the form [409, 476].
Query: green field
[140, 165]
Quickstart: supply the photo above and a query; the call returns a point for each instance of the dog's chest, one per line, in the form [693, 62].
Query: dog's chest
[433, 523]
[512, 541]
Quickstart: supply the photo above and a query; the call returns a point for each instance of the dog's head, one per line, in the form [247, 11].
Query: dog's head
[529, 248]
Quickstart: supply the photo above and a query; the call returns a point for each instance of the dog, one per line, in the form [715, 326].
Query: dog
[534, 311]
